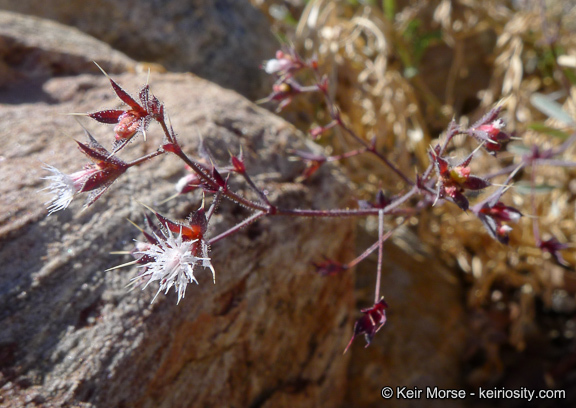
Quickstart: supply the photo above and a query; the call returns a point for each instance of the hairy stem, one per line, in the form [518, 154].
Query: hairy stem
[380, 255]
[335, 114]
[271, 209]
[237, 227]
[146, 158]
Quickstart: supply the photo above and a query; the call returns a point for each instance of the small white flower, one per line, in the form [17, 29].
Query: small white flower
[499, 123]
[273, 66]
[174, 262]
[64, 187]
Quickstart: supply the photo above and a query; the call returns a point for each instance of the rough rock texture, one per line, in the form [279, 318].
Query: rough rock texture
[33, 48]
[425, 336]
[224, 41]
[269, 333]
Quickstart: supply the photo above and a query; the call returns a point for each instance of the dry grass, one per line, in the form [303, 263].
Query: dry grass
[400, 74]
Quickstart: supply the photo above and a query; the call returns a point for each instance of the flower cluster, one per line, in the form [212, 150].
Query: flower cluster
[284, 68]
[132, 120]
[172, 253]
[285, 65]
[453, 180]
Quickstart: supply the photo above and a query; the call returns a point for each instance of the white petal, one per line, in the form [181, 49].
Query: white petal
[62, 187]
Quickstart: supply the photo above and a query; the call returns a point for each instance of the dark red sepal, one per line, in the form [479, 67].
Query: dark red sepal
[238, 164]
[109, 116]
[475, 183]
[218, 178]
[198, 219]
[553, 246]
[372, 321]
[329, 267]
[189, 233]
[126, 98]
[494, 228]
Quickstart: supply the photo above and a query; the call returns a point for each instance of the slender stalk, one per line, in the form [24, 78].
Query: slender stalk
[214, 205]
[373, 247]
[505, 170]
[339, 212]
[380, 255]
[372, 149]
[212, 184]
[402, 199]
[206, 178]
[145, 158]
[271, 208]
[335, 114]
[347, 155]
[237, 227]
[535, 229]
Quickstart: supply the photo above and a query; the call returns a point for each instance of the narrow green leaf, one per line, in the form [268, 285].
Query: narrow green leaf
[542, 128]
[525, 188]
[389, 7]
[551, 108]
[518, 149]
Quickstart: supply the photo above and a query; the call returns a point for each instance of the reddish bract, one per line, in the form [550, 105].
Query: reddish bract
[372, 321]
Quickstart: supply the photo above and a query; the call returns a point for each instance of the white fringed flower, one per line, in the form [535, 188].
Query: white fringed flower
[174, 262]
[64, 187]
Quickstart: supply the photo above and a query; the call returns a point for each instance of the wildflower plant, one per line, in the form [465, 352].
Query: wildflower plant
[174, 252]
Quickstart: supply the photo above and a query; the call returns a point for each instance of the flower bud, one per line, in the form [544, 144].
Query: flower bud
[188, 183]
[372, 321]
[94, 178]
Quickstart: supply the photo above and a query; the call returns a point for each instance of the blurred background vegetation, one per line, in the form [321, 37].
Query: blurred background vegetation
[400, 71]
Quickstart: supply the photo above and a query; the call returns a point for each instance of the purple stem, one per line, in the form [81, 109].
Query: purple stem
[214, 205]
[347, 155]
[535, 229]
[237, 227]
[271, 208]
[372, 149]
[380, 255]
[145, 158]
[373, 247]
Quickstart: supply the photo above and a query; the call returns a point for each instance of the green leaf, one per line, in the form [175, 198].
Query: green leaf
[542, 128]
[570, 75]
[389, 7]
[525, 188]
[551, 108]
[518, 149]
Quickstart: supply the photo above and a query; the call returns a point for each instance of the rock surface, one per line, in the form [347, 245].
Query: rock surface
[36, 49]
[224, 41]
[269, 333]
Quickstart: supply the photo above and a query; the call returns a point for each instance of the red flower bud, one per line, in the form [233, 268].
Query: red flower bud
[453, 180]
[94, 178]
[553, 247]
[238, 164]
[501, 212]
[129, 122]
[372, 321]
[328, 267]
